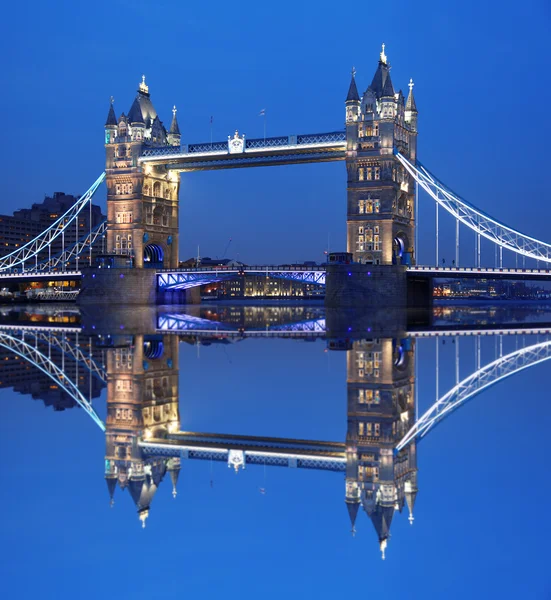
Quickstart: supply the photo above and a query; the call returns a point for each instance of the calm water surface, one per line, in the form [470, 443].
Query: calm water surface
[252, 452]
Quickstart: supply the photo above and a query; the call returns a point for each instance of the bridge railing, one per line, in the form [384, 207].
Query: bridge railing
[260, 268]
[289, 141]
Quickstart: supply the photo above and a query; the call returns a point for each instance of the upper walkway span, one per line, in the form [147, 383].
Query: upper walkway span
[239, 152]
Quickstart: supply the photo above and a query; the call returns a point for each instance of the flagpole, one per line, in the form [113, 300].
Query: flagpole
[211, 133]
[264, 127]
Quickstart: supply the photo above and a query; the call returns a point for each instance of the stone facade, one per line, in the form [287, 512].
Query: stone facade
[380, 209]
[142, 202]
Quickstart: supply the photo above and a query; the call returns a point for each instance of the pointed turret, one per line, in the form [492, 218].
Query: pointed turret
[111, 124]
[174, 133]
[173, 467]
[410, 114]
[111, 486]
[111, 117]
[352, 102]
[410, 492]
[410, 104]
[353, 89]
[352, 507]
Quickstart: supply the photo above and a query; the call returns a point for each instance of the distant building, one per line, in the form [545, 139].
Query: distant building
[26, 223]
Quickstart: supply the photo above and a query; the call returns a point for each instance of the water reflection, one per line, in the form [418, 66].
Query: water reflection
[135, 356]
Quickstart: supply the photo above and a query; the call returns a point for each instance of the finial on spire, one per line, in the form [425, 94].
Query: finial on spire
[174, 492]
[411, 518]
[383, 56]
[143, 87]
[410, 85]
[353, 72]
[112, 100]
[174, 110]
[382, 546]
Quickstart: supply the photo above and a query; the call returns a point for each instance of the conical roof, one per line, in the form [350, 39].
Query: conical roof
[388, 88]
[111, 486]
[111, 117]
[353, 95]
[410, 104]
[135, 114]
[352, 512]
[142, 110]
[174, 129]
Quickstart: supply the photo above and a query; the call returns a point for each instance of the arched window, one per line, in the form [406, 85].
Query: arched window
[146, 189]
[157, 189]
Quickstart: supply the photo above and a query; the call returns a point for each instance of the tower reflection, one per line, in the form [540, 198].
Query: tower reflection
[142, 403]
[381, 409]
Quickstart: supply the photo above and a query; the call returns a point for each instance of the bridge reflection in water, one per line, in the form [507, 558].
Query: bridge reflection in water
[138, 362]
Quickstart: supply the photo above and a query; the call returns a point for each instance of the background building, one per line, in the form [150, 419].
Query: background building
[26, 223]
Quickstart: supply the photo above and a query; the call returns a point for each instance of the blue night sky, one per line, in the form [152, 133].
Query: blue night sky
[481, 83]
[481, 526]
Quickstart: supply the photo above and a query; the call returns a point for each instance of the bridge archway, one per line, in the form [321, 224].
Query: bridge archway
[399, 247]
[153, 256]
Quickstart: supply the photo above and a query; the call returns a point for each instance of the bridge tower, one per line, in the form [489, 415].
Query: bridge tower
[142, 202]
[381, 408]
[142, 402]
[380, 212]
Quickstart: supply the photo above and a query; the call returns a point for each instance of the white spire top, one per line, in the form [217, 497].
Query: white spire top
[410, 85]
[353, 71]
[382, 546]
[411, 519]
[143, 87]
[174, 110]
[383, 56]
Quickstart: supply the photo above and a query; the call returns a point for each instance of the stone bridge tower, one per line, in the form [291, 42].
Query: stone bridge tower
[142, 202]
[381, 408]
[380, 215]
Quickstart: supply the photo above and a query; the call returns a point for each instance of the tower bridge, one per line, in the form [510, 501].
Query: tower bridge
[145, 161]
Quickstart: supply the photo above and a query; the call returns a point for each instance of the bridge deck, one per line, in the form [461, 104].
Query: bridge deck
[285, 150]
[244, 450]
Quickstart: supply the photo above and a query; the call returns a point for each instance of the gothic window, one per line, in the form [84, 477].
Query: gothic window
[361, 174]
[369, 174]
[146, 189]
[376, 129]
[157, 189]
[148, 215]
[376, 243]
[377, 173]
[130, 242]
[361, 207]
[117, 243]
[377, 429]
[165, 219]
[121, 151]
[118, 189]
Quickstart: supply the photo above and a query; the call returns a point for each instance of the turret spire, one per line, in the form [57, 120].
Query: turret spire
[353, 95]
[410, 103]
[111, 117]
[174, 125]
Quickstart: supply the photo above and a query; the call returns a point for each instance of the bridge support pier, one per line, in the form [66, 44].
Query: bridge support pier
[129, 287]
[118, 286]
[367, 286]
